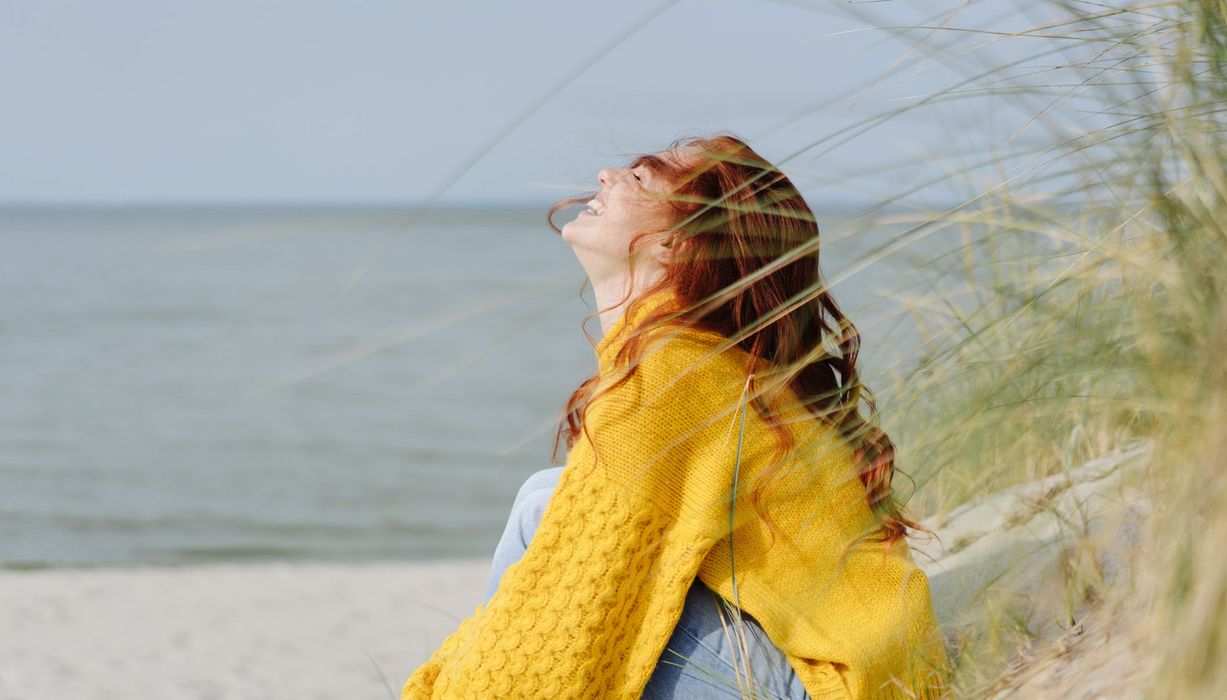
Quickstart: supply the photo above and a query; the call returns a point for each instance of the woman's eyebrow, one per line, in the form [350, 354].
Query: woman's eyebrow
[654, 164]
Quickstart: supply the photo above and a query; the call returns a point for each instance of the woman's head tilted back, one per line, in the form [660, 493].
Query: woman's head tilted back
[728, 233]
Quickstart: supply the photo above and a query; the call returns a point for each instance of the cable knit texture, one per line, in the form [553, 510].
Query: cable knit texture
[645, 506]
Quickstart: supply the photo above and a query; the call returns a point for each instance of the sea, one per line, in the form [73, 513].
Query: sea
[202, 384]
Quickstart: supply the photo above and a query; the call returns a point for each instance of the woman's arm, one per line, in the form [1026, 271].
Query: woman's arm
[587, 610]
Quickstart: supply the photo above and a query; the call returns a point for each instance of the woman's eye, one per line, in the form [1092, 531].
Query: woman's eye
[637, 177]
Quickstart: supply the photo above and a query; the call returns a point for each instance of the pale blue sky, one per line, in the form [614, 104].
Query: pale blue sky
[307, 101]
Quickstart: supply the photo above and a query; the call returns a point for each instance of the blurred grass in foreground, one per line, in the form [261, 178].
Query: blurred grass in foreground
[1085, 313]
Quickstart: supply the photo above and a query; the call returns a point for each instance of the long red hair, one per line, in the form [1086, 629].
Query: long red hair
[745, 263]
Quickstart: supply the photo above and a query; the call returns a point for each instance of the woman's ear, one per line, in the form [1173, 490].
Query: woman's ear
[662, 250]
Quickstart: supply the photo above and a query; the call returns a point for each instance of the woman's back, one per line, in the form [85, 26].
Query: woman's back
[851, 609]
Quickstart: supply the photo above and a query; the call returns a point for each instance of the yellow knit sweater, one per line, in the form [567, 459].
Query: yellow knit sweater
[588, 609]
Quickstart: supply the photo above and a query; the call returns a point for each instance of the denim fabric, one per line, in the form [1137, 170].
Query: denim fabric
[698, 661]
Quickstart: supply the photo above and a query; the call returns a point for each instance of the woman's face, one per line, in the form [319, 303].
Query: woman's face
[632, 200]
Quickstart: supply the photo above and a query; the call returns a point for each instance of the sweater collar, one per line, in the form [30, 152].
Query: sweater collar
[629, 320]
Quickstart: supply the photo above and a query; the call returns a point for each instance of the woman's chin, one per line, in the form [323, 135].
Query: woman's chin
[576, 230]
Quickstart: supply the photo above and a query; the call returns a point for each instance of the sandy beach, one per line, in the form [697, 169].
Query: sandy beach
[310, 630]
[352, 630]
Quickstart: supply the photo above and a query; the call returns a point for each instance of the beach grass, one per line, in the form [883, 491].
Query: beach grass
[1083, 312]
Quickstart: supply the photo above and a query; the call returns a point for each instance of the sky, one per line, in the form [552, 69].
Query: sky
[474, 102]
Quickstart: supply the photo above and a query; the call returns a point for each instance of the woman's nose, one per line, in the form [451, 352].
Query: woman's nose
[607, 175]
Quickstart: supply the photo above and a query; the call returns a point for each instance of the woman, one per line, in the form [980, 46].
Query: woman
[724, 523]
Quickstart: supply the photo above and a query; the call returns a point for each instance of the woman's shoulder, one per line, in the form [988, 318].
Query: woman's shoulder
[691, 356]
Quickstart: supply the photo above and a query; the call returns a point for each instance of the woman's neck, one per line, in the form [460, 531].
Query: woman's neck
[612, 290]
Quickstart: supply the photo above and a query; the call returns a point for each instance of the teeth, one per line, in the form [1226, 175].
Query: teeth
[595, 206]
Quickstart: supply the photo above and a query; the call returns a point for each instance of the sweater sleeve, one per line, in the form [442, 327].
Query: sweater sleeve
[587, 611]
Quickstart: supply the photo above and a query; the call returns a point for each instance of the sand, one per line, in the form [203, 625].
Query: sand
[342, 630]
[309, 630]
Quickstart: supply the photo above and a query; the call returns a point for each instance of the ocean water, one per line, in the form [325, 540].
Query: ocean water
[180, 386]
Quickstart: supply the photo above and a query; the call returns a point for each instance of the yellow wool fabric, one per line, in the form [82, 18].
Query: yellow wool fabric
[588, 610]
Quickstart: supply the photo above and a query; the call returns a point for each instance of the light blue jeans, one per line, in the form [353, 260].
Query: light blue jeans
[698, 660]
